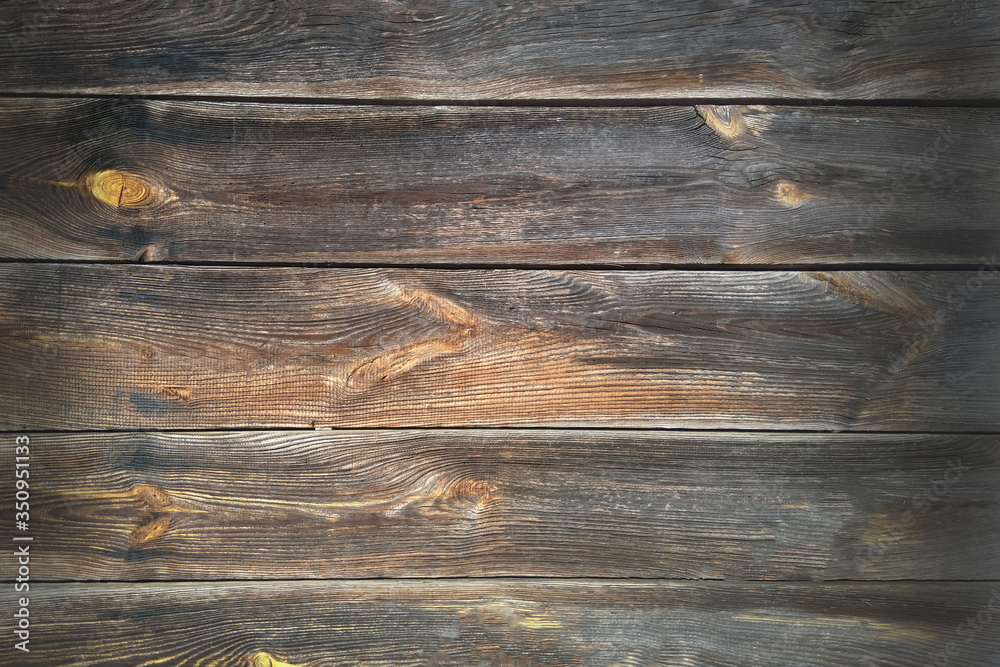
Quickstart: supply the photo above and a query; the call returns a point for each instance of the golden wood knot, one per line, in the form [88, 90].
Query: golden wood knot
[122, 189]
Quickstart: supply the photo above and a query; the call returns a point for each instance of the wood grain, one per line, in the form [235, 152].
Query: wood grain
[145, 180]
[433, 503]
[156, 347]
[512, 623]
[474, 50]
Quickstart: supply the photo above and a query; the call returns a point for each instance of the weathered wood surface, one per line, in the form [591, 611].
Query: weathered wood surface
[295, 505]
[114, 179]
[152, 347]
[587, 623]
[470, 49]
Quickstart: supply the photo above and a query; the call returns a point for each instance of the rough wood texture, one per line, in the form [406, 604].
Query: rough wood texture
[182, 181]
[471, 49]
[515, 623]
[145, 506]
[154, 347]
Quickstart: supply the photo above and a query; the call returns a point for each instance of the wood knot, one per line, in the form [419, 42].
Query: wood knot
[182, 394]
[790, 194]
[727, 121]
[122, 189]
[388, 366]
[155, 517]
[150, 495]
[264, 659]
[152, 253]
[151, 530]
[479, 491]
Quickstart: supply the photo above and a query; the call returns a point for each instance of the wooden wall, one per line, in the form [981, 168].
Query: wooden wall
[454, 332]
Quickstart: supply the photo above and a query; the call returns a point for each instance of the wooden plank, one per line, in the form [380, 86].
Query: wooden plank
[430, 503]
[113, 179]
[303, 624]
[471, 50]
[98, 347]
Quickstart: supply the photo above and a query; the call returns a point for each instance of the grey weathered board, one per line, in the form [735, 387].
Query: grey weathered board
[476, 49]
[96, 347]
[516, 623]
[463, 503]
[124, 179]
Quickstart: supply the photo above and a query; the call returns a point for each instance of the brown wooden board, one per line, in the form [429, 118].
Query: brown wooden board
[523, 623]
[114, 179]
[440, 503]
[475, 49]
[155, 347]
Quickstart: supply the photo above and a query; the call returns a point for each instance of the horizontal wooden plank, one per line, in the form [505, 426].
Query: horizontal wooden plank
[302, 624]
[470, 49]
[430, 503]
[130, 179]
[98, 347]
